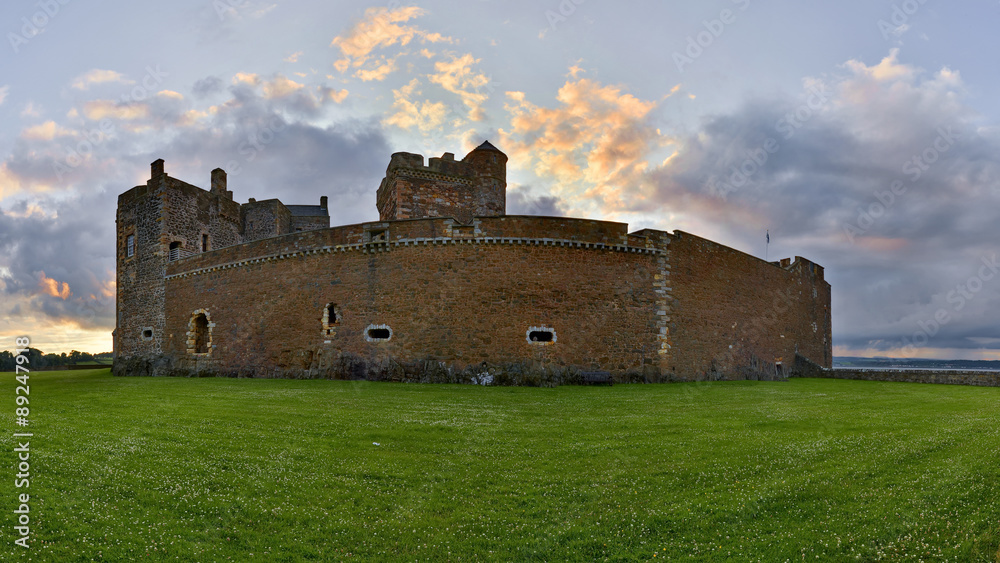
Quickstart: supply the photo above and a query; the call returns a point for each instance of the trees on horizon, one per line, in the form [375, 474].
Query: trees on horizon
[38, 359]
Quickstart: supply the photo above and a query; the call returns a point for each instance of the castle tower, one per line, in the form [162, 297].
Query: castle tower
[489, 166]
[141, 259]
[463, 189]
[160, 222]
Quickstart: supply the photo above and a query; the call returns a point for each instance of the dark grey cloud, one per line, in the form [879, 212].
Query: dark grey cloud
[69, 240]
[891, 184]
[521, 202]
[269, 148]
[207, 86]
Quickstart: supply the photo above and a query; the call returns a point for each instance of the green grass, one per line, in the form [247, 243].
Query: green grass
[218, 469]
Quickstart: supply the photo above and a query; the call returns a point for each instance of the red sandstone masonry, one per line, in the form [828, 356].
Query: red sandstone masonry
[462, 303]
[730, 305]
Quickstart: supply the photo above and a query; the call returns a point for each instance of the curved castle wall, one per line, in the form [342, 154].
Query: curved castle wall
[456, 298]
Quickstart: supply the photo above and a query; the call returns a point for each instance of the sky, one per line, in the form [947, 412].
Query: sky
[862, 135]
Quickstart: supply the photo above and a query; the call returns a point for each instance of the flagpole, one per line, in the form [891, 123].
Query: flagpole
[767, 244]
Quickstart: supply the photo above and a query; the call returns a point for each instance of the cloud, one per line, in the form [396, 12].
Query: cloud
[44, 132]
[49, 286]
[332, 94]
[456, 76]
[208, 85]
[4, 90]
[98, 76]
[284, 92]
[59, 263]
[246, 78]
[521, 202]
[100, 109]
[31, 110]
[379, 70]
[424, 115]
[875, 172]
[10, 184]
[280, 87]
[293, 58]
[380, 28]
[594, 144]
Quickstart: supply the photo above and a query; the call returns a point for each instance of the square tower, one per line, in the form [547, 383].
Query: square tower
[475, 186]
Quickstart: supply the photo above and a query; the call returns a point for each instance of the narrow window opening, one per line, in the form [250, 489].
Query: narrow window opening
[541, 335]
[130, 246]
[377, 333]
[204, 243]
[201, 337]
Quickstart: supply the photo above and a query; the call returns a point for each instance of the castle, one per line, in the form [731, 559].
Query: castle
[445, 287]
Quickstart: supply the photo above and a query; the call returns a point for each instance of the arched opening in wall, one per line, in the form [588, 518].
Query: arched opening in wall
[378, 333]
[331, 319]
[200, 333]
[541, 335]
[147, 333]
[175, 250]
[204, 242]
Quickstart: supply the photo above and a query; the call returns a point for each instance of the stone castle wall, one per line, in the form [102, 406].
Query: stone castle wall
[466, 296]
[455, 300]
[950, 377]
[732, 309]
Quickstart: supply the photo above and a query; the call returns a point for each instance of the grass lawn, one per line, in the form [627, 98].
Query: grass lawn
[129, 469]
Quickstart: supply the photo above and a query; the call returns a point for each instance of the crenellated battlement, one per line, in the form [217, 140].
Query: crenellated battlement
[475, 186]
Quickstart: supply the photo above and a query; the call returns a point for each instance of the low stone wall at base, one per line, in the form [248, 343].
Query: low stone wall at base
[347, 367]
[978, 378]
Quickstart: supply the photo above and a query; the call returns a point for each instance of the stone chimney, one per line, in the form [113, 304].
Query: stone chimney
[156, 169]
[322, 202]
[219, 183]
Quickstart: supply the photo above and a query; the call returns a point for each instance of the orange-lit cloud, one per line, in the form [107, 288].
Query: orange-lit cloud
[380, 28]
[280, 87]
[98, 76]
[44, 132]
[379, 70]
[49, 286]
[594, 143]
[9, 183]
[457, 77]
[99, 109]
[334, 95]
[425, 116]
